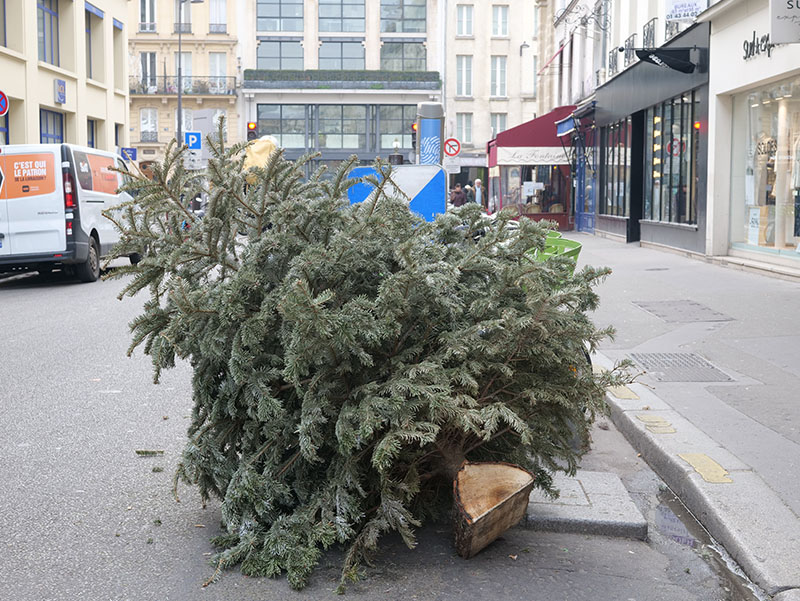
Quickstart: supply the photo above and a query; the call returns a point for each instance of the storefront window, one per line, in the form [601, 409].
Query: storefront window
[287, 122]
[671, 154]
[395, 125]
[765, 180]
[616, 169]
[510, 186]
[550, 189]
[342, 126]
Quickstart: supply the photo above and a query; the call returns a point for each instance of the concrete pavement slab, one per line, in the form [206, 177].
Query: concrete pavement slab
[791, 595]
[590, 503]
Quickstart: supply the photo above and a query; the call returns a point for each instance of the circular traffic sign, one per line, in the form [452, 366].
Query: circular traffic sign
[452, 147]
[3, 104]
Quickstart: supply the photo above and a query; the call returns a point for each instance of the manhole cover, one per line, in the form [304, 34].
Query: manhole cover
[681, 311]
[679, 367]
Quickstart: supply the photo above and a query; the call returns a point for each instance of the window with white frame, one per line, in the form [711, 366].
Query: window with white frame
[463, 75]
[148, 124]
[147, 16]
[217, 67]
[218, 18]
[219, 114]
[499, 76]
[188, 120]
[183, 16]
[498, 123]
[184, 60]
[499, 20]
[464, 19]
[464, 127]
[147, 60]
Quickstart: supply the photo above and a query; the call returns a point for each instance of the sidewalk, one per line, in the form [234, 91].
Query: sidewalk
[717, 414]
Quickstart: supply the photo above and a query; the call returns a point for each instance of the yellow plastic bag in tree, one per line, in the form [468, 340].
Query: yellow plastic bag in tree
[257, 154]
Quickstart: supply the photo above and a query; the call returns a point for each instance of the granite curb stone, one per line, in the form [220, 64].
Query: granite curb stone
[746, 516]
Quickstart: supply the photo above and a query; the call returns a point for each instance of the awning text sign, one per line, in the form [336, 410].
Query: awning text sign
[531, 155]
[784, 17]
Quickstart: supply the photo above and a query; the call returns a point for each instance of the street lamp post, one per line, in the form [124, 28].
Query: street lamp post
[179, 136]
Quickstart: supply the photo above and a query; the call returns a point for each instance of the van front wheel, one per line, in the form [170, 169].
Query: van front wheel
[89, 270]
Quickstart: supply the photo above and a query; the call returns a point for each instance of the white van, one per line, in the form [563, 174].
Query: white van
[51, 202]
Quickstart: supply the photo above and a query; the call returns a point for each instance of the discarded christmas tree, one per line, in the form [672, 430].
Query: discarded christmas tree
[348, 359]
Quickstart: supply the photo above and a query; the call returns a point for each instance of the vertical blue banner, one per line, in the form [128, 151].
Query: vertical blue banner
[430, 141]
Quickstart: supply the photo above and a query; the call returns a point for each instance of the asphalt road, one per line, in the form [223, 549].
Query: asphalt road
[83, 517]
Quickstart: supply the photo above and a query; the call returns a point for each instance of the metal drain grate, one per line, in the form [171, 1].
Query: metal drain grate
[679, 367]
[681, 311]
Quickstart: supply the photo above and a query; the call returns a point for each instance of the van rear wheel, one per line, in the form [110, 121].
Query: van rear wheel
[89, 270]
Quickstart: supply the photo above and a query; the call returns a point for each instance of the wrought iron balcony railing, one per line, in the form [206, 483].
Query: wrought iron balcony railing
[148, 136]
[183, 28]
[168, 84]
[673, 28]
[147, 27]
[649, 33]
[612, 62]
[630, 50]
[217, 28]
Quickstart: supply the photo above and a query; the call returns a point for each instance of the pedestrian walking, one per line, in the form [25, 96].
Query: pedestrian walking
[479, 194]
[469, 192]
[457, 196]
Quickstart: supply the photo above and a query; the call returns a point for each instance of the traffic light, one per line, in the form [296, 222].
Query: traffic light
[252, 132]
[414, 136]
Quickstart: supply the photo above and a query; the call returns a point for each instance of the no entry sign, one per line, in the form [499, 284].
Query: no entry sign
[452, 147]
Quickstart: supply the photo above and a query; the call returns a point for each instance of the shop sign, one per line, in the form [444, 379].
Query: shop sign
[758, 46]
[784, 18]
[531, 155]
[685, 10]
[753, 226]
[59, 91]
[676, 147]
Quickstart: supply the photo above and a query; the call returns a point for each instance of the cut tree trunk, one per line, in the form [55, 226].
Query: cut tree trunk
[489, 499]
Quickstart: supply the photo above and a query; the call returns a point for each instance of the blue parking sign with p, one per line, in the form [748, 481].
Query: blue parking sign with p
[192, 139]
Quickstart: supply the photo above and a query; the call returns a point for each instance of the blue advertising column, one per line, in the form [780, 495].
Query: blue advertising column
[430, 133]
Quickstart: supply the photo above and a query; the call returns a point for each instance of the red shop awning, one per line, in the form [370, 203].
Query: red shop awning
[533, 143]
